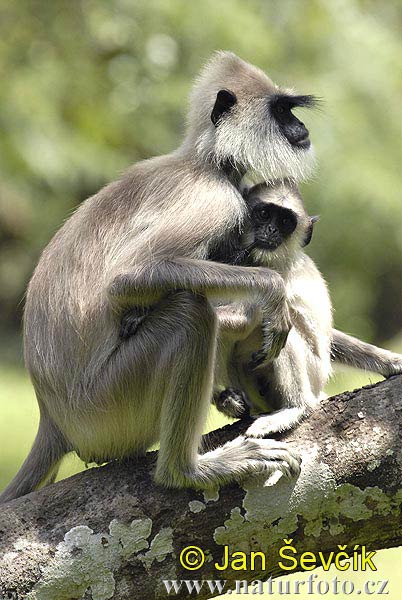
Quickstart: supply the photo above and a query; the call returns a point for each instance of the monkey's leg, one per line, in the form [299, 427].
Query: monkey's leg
[175, 346]
[348, 350]
[266, 287]
[184, 413]
[289, 388]
[235, 322]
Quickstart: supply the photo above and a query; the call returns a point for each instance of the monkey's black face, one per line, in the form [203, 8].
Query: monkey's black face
[272, 224]
[292, 128]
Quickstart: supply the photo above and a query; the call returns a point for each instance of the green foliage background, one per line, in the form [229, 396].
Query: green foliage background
[89, 86]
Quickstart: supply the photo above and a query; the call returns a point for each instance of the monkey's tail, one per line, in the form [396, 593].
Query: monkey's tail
[41, 464]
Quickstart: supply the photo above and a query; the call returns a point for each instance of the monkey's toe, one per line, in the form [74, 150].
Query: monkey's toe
[277, 456]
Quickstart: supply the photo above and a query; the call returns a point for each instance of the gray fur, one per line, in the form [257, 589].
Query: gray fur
[348, 350]
[132, 245]
[41, 465]
[297, 376]
[294, 382]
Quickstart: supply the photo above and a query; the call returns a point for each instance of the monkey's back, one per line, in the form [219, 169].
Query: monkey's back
[161, 207]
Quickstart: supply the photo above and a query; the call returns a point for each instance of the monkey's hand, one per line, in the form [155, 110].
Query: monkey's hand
[131, 320]
[275, 332]
[232, 403]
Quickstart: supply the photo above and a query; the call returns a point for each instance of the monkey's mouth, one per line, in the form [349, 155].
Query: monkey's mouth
[297, 135]
[302, 142]
[263, 244]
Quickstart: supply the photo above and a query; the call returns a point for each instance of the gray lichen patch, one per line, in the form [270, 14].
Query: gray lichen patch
[161, 546]
[270, 514]
[211, 495]
[196, 506]
[350, 502]
[85, 559]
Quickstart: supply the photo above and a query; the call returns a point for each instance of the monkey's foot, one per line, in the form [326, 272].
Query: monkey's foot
[280, 420]
[266, 457]
[232, 403]
[236, 460]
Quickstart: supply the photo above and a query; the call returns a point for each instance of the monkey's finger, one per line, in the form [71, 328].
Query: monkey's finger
[290, 468]
[289, 459]
[273, 444]
[268, 456]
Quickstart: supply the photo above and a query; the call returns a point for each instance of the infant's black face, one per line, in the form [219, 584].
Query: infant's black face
[271, 224]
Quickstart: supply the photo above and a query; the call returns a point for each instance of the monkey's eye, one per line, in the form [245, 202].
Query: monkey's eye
[262, 213]
[288, 224]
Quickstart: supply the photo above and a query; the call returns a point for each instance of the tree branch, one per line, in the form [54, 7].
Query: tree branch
[111, 533]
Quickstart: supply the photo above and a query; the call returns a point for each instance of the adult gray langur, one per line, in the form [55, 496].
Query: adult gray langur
[135, 252]
[276, 230]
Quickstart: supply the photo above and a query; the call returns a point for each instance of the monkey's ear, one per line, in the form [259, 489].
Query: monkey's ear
[309, 233]
[223, 103]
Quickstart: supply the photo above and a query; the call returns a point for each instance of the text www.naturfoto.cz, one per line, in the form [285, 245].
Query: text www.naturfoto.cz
[276, 587]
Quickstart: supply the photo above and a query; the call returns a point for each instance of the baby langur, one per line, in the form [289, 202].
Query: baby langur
[136, 251]
[276, 231]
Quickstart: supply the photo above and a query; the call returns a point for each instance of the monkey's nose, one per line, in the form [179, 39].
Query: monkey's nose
[299, 135]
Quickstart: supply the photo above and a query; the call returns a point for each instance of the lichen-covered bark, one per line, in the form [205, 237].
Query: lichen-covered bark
[111, 533]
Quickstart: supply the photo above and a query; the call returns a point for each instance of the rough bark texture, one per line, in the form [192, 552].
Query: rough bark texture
[111, 533]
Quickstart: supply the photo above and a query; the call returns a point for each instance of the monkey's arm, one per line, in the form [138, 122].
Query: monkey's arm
[348, 350]
[213, 280]
[237, 320]
[198, 276]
